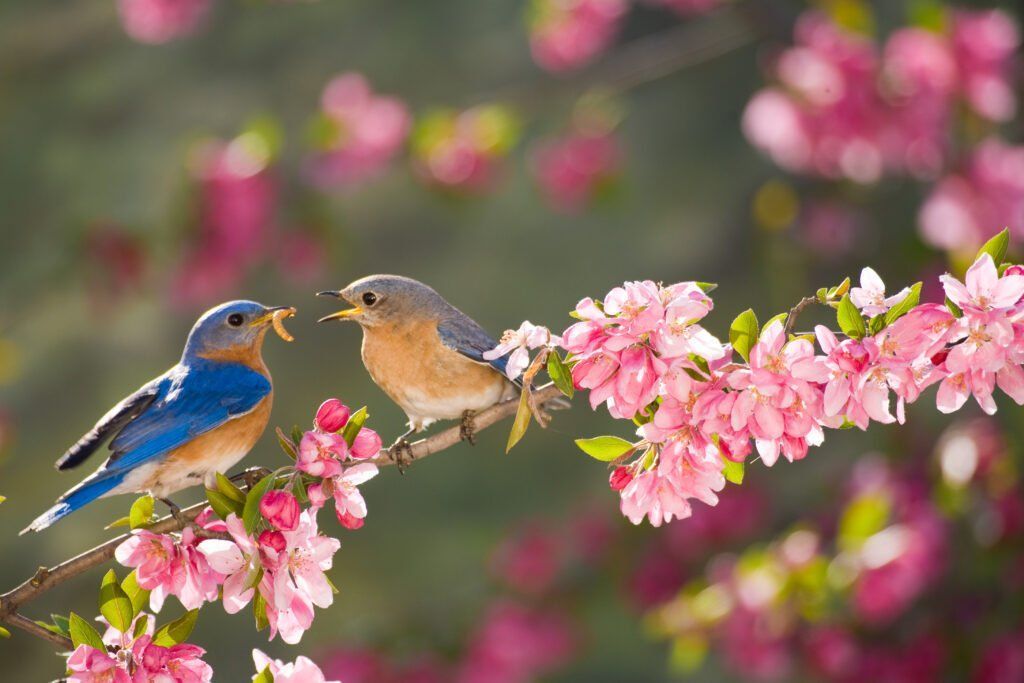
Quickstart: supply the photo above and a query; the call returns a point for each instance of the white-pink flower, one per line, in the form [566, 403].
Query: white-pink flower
[169, 565]
[349, 504]
[321, 454]
[302, 670]
[983, 290]
[89, 665]
[870, 297]
[238, 560]
[519, 343]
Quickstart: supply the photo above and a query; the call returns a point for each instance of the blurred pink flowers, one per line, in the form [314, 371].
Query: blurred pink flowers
[461, 151]
[568, 34]
[161, 21]
[361, 132]
[574, 170]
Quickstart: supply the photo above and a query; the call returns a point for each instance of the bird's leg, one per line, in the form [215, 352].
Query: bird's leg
[175, 510]
[400, 449]
[467, 429]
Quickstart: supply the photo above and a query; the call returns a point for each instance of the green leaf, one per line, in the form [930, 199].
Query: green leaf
[520, 423]
[822, 295]
[851, 322]
[287, 445]
[560, 374]
[299, 490]
[839, 290]
[177, 631]
[354, 424]
[82, 633]
[222, 505]
[688, 652]
[227, 487]
[251, 512]
[954, 309]
[119, 522]
[114, 603]
[4, 633]
[136, 593]
[707, 286]
[140, 626]
[780, 317]
[904, 306]
[264, 676]
[296, 434]
[259, 611]
[876, 324]
[863, 518]
[141, 513]
[61, 623]
[3, 498]
[605, 448]
[996, 247]
[733, 471]
[743, 333]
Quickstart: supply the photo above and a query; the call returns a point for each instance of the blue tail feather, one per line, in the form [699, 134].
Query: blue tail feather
[75, 499]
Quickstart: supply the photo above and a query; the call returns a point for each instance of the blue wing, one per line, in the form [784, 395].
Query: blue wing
[460, 333]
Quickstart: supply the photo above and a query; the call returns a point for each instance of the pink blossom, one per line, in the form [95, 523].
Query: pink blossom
[302, 670]
[519, 343]
[983, 290]
[161, 21]
[321, 454]
[663, 493]
[366, 131]
[169, 565]
[89, 665]
[178, 663]
[574, 170]
[530, 560]
[367, 444]
[280, 509]
[238, 560]
[349, 504]
[461, 151]
[567, 34]
[331, 416]
[870, 297]
[984, 43]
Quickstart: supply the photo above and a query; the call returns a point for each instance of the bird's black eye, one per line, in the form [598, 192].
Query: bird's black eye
[236, 319]
[369, 298]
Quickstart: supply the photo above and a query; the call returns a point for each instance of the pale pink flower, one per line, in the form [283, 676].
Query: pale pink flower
[367, 444]
[870, 297]
[663, 493]
[302, 670]
[349, 504]
[180, 663]
[89, 665]
[321, 454]
[567, 34]
[857, 387]
[238, 560]
[161, 21]
[984, 43]
[983, 290]
[169, 565]
[519, 343]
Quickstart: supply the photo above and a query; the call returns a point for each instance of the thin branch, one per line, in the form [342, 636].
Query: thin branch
[46, 578]
[796, 311]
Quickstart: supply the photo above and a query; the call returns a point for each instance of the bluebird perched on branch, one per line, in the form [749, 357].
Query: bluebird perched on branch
[198, 418]
[424, 353]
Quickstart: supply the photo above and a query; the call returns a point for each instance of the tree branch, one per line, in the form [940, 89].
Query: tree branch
[46, 578]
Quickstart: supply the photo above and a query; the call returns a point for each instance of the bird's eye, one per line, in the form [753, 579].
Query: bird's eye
[236, 319]
[369, 298]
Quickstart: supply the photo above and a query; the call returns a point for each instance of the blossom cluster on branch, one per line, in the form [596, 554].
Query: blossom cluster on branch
[701, 407]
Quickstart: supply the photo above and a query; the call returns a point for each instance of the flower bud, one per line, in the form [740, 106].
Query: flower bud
[348, 520]
[280, 509]
[620, 478]
[273, 540]
[331, 416]
[367, 444]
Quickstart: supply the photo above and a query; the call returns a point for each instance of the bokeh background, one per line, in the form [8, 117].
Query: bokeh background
[157, 157]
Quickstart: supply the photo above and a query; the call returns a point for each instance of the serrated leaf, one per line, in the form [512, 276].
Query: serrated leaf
[264, 676]
[287, 445]
[228, 488]
[119, 522]
[851, 322]
[954, 309]
[996, 247]
[560, 374]
[251, 511]
[82, 633]
[141, 512]
[114, 604]
[136, 593]
[177, 631]
[354, 424]
[223, 506]
[605, 448]
[707, 286]
[743, 333]
[905, 306]
[520, 423]
[733, 470]
[259, 611]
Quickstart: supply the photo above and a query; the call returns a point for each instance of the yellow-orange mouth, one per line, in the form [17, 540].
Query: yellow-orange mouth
[276, 317]
[341, 315]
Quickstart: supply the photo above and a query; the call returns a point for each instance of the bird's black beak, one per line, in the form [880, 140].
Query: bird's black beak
[330, 292]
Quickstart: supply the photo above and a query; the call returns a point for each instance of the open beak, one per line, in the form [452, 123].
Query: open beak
[341, 315]
[274, 316]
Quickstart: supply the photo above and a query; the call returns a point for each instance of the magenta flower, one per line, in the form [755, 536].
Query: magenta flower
[89, 665]
[567, 34]
[169, 565]
[161, 21]
[302, 670]
[519, 343]
[280, 509]
[366, 131]
[321, 454]
[331, 416]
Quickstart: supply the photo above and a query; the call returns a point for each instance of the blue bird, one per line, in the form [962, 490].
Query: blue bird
[198, 418]
[424, 353]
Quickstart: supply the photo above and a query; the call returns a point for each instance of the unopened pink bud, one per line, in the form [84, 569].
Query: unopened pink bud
[620, 478]
[280, 509]
[332, 416]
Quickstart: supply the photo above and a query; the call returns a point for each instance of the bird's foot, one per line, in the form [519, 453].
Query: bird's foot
[175, 510]
[467, 429]
[400, 453]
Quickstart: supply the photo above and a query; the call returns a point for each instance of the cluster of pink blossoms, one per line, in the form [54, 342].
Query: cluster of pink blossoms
[161, 21]
[573, 170]
[567, 34]
[461, 150]
[845, 109]
[363, 131]
[701, 410]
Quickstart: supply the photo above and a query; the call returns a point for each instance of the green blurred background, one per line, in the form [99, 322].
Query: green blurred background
[94, 129]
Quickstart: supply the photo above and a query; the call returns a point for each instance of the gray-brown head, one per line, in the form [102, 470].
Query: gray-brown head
[383, 299]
